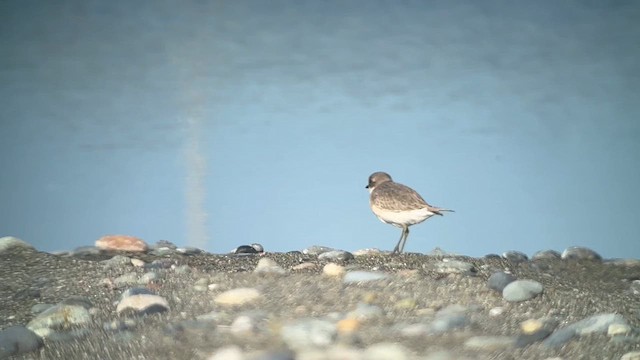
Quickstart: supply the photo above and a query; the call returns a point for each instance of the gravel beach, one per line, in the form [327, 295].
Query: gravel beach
[182, 303]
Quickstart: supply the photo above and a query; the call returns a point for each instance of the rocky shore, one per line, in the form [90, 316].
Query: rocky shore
[165, 302]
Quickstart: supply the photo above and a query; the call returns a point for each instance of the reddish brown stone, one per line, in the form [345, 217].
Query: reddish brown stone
[121, 243]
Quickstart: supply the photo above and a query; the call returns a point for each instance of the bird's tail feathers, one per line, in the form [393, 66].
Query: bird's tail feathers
[438, 211]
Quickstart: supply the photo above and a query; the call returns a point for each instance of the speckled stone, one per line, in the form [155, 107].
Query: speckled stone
[546, 255]
[499, 280]
[143, 304]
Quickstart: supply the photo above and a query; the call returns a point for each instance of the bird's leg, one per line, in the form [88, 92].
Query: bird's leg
[403, 238]
[404, 241]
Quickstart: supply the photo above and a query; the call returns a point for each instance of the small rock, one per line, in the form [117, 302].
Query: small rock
[182, 269]
[598, 323]
[618, 329]
[333, 269]
[269, 266]
[38, 308]
[580, 253]
[309, 333]
[367, 252]
[336, 255]
[634, 355]
[244, 325]
[248, 249]
[9, 242]
[126, 280]
[316, 250]
[348, 326]
[363, 276]
[489, 343]
[121, 243]
[546, 255]
[364, 312]
[189, 250]
[136, 291]
[304, 266]
[116, 262]
[59, 317]
[448, 266]
[496, 311]
[232, 352]
[531, 326]
[385, 351]
[499, 280]
[137, 262]
[148, 277]
[515, 256]
[522, 290]
[238, 297]
[16, 340]
[143, 304]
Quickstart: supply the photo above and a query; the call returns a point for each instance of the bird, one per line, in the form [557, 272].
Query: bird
[398, 205]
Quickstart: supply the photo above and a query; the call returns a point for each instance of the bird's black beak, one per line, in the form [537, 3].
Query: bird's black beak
[366, 187]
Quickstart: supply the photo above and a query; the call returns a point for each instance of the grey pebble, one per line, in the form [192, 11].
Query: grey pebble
[363, 276]
[499, 280]
[546, 255]
[266, 265]
[16, 340]
[515, 256]
[117, 261]
[125, 280]
[596, 323]
[189, 250]
[448, 266]
[9, 242]
[336, 255]
[316, 250]
[522, 290]
[580, 253]
[143, 304]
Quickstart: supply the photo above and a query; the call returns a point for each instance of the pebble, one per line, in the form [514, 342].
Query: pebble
[316, 250]
[56, 319]
[148, 277]
[121, 243]
[386, 351]
[580, 253]
[228, 353]
[546, 255]
[499, 280]
[333, 269]
[269, 266]
[16, 340]
[137, 262]
[515, 256]
[364, 312]
[367, 252]
[309, 332]
[117, 261]
[534, 330]
[143, 304]
[9, 242]
[244, 325]
[126, 280]
[336, 255]
[521, 290]
[634, 355]
[489, 343]
[238, 297]
[363, 276]
[618, 329]
[448, 266]
[254, 248]
[304, 266]
[189, 250]
[593, 324]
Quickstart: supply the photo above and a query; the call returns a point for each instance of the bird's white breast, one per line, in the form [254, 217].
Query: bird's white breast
[398, 218]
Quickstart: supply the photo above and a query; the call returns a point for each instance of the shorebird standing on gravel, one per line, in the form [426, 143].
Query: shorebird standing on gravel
[398, 205]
